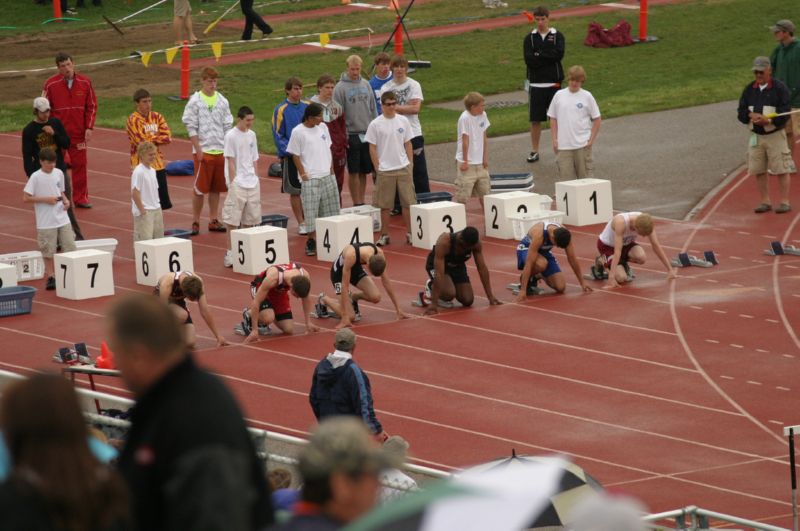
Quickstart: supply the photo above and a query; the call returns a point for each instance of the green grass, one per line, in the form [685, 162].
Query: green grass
[703, 56]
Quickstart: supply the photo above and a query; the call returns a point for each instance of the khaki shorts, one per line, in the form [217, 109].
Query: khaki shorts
[148, 226]
[770, 152]
[50, 239]
[395, 181]
[475, 182]
[182, 8]
[575, 163]
[242, 206]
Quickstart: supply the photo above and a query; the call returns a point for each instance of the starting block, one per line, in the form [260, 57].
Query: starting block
[779, 249]
[514, 287]
[685, 260]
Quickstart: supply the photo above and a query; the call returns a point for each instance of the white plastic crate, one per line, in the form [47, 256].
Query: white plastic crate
[108, 245]
[523, 222]
[545, 202]
[29, 264]
[366, 210]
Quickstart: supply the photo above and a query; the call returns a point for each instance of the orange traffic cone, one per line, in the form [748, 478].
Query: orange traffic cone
[106, 358]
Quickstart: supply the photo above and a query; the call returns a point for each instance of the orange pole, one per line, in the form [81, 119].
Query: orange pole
[57, 9]
[398, 38]
[642, 20]
[185, 71]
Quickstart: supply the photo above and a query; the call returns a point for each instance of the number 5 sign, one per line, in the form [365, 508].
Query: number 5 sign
[256, 248]
[156, 258]
[584, 201]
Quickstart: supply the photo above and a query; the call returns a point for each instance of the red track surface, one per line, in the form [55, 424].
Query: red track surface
[675, 393]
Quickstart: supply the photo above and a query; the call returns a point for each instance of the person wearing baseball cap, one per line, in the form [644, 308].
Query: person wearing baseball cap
[785, 60]
[340, 467]
[764, 107]
[47, 131]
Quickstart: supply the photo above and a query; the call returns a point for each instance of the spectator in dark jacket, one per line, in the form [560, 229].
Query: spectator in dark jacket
[543, 49]
[189, 460]
[340, 387]
[763, 107]
[48, 131]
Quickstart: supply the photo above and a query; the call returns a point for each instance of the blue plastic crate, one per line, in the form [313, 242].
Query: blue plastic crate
[186, 234]
[16, 300]
[432, 197]
[276, 220]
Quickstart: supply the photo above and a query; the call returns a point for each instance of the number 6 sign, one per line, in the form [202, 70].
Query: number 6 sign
[155, 258]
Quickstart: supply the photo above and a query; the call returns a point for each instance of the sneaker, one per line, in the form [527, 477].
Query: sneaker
[446, 304]
[533, 157]
[246, 327]
[71, 11]
[267, 31]
[395, 212]
[216, 226]
[763, 207]
[320, 309]
[783, 208]
[628, 271]
[422, 299]
[195, 228]
[302, 230]
[383, 240]
[408, 238]
[51, 283]
[429, 288]
[311, 247]
[264, 330]
[228, 260]
[357, 312]
[532, 288]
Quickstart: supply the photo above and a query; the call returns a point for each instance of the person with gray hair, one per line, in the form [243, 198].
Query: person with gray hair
[340, 387]
[339, 466]
[188, 460]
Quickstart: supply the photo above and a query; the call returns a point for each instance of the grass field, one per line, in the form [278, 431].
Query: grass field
[703, 55]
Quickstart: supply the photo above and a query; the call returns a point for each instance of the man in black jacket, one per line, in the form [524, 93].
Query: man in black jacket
[188, 459]
[760, 107]
[48, 131]
[340, 387]
[543, 49]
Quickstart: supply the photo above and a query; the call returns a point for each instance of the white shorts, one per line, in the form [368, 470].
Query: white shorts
[242, 206]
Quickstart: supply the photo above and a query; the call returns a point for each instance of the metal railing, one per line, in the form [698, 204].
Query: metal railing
[692, 518]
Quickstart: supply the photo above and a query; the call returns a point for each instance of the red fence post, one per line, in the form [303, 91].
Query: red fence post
[185, 71]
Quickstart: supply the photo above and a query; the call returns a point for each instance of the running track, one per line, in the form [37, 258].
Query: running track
[674, 393]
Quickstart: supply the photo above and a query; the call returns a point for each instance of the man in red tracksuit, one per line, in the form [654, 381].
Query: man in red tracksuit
[73, 101]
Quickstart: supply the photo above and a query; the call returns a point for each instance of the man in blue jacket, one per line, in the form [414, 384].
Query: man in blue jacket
[340, 387]
[286, 116]
[764, 106]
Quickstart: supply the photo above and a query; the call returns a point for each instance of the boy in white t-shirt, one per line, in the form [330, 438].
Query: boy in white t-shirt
[574, 124]
[45, 189]
[243, 204]
[148, 219]
[389, 138]
[472, 150]
[310, 148]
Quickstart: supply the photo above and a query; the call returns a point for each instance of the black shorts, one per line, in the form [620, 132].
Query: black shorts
[182, 304]
[356, 274]
[290, 183]
[457, 272]
[358, 160]
[539, 99]
[278, 316]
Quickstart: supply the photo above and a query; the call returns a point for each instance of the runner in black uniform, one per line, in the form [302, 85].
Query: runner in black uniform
[175, 288]
[447, 269]
[347, 270]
